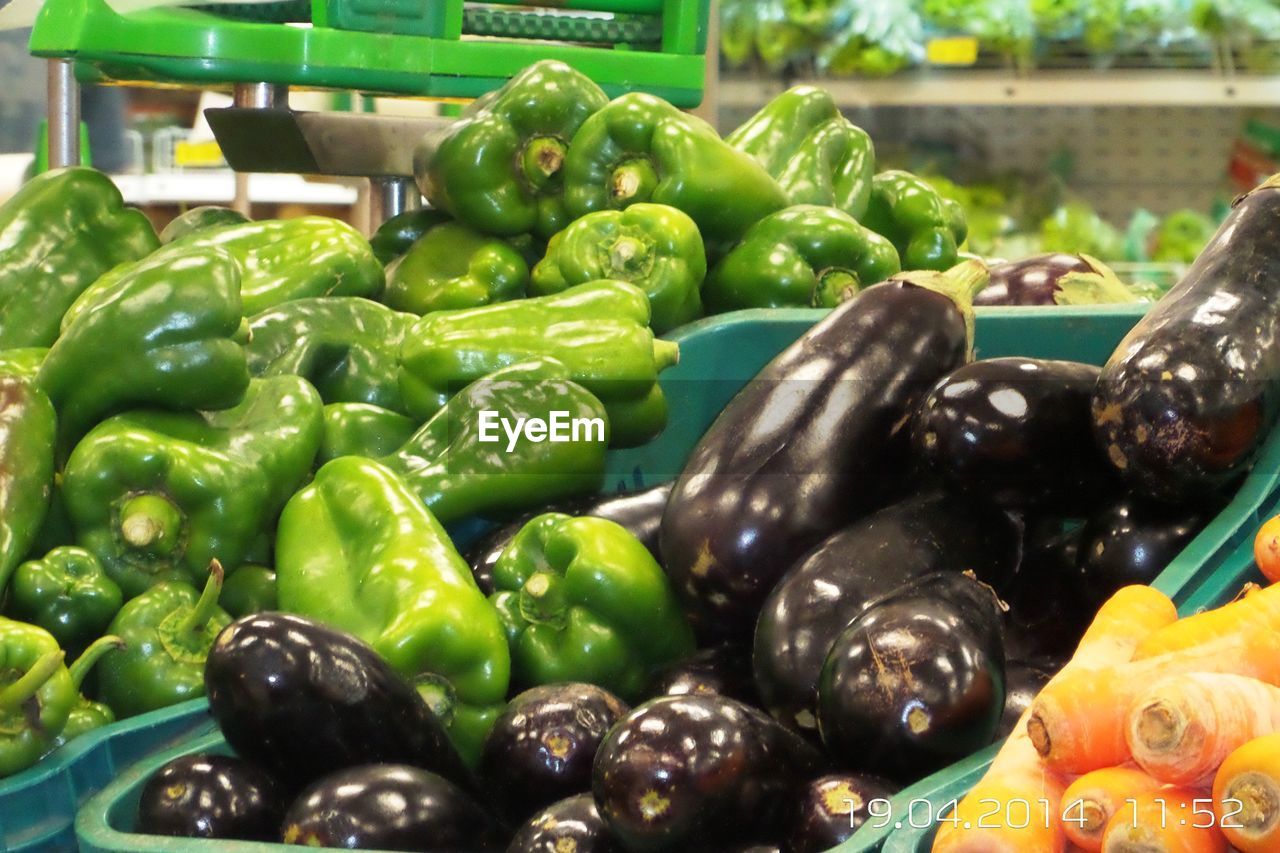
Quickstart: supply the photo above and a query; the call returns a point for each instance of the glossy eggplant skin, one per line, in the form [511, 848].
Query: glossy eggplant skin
[1022, 682]
[832, 807]
[850, 570]
[303, 700]
[1048, 610]
[1131, 542]
[572, 824]
[1186, 399]
[699, 773]
[1017, 431]
[639, 512]
[917, 681]
[541, 748]
[723, 670]
[1029, 281]
[211, 796]
[808, 445]
[388, 807]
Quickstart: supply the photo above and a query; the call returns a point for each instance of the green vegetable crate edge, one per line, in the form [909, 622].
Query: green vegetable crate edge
[718, 356]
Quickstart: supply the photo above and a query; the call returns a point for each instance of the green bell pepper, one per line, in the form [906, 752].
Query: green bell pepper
[287, 259]
[200, 219]
[394, 237]
[358, 550]
[462, 463]
[249, 589]
[655, 247]
[60, 232]
[68, 594]
[23, 362]
[453, 267]
[87, 715]
[499, 169]
[168, 631]
[816, 154]
[36, 694]
[598, 330]
[347, 348]
[925, 228]
[358, 429]
[154, 493]
[581, 599]
[805, 256]
[641, 148]
[160, 335]
[27, 429]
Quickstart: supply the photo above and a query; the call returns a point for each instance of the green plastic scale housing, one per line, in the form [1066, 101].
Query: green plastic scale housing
[718, 356]
[411, 48]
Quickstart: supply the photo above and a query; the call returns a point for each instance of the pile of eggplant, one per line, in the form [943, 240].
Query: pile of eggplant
[885, 547]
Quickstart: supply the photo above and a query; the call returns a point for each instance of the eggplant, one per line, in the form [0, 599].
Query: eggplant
[814, 441]
[839, 579]
[211, 796]
[1048, 611]
[1022, 683]
[573, 824]
[541, 747]
[388, 807]
[1185, 401]
[917, 681]
[832, 808]
[723, 670]
[1017, 431]
[639, 512]
[1031, 281]
[1131, 542]
[304, 700]
[697, 773]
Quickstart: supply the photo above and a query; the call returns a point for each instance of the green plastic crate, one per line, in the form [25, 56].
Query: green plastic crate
[718, 356]
[38, 806]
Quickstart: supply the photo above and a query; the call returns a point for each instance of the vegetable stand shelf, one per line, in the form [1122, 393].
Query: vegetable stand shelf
[718, 356]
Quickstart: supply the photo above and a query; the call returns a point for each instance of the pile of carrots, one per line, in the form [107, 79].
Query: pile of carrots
[1161, 735]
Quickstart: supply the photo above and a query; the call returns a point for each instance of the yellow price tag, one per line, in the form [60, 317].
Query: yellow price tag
[197, 154]
[953, 50]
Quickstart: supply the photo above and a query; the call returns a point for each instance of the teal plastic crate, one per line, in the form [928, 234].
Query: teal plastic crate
[717, 357]
[38, 806]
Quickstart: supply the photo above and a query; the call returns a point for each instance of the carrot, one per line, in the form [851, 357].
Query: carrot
[1078, 722]
[1246, 796]
[1170, 820]
[1090, 801]
[1255, 617]
[1016, 773]
[1182, 729]
[1266, 549]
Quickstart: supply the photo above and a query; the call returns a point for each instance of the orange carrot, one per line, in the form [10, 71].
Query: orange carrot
[1246, 795]
[1266, 549]
[1090, 801]
[1182, 729]
[1017, 773]
[1078, 722]
[1255, 617]
[1170, 820]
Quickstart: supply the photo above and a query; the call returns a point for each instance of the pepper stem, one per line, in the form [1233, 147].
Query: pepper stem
[12, 696]
[151, 523]
[628, 257]
[832, 284]
[542, 599]
[203, 611]
[632, 181]
[542, 160]
[90, 656]
[665, 354]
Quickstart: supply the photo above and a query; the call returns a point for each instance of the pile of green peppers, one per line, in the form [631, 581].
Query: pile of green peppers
[235, 416]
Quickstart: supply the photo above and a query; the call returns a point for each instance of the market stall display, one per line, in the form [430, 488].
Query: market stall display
[869, 539]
